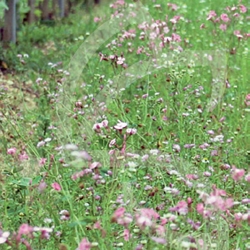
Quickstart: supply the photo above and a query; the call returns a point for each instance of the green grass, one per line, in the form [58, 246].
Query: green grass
[166, 125]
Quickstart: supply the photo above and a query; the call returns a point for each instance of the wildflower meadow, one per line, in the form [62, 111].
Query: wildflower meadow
[127, 126]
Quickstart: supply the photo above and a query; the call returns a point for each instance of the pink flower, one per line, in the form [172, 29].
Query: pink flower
[97, 19]
[42, 186]
[200, 208]
[223, 27]
[238, 216]
[224, 17]
[24, 229]
[148, 212]
[131, 131]
[211, 15]
[121, 217]
[146, 217]
[236, 15]
[120, 60]
[248, 97]
[120, 125]
[237, 174]
[172, 6]
[95, 165]
[56, 186]
[84, 245]
[176, 148]
[96, 127]
[175, 19]
[237, 33]
[112, 143]
[23, 156]
[4, 236]
[243, 9]
[42, 161]
[181, 208]
[65, 215]
[159, 240]
[118, 213]
[126, 235]
[11, 151]
[176, 37]
[247, 178]
[105, 123]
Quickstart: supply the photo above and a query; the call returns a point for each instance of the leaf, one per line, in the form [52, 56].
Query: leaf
[24, 182]
[3, 7]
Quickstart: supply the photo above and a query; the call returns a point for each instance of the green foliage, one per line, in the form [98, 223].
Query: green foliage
[172, 111]
[3, 7]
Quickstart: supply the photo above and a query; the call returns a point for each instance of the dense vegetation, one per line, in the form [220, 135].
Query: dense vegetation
[127, 127]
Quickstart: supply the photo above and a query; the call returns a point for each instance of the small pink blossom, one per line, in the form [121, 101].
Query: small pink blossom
[118, 213]
[42, 161]
[56, 186]
[145, 217]
[238, 216]
[84, 245]
[176, 148]
[237, 174]
[131, 131]
[81, 154]
[120, 60]
[189, 145]
[159, 240]
[23, 156]
[243, 9]
[224, 17]
[237, 33]
[223, 27]
[4, 236]
[211, 15]
[24, 229]
[105, 123]
[210, 132]
[236, 15]
[11, 151]
[95, 165]
[172, 6]
[45, 232]
[65, 215]
[181, 208]
[96, 127]
[120, 125]
[97, 19]
[112, 143]
[247, 178]
[176, 37]
[42, 186]
[200, 208]
[145, 157]
[175, 19]
[126, 235]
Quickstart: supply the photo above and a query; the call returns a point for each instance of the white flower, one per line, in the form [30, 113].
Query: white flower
[120, 125]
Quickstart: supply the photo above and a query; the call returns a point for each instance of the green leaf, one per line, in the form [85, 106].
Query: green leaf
[3, 7]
